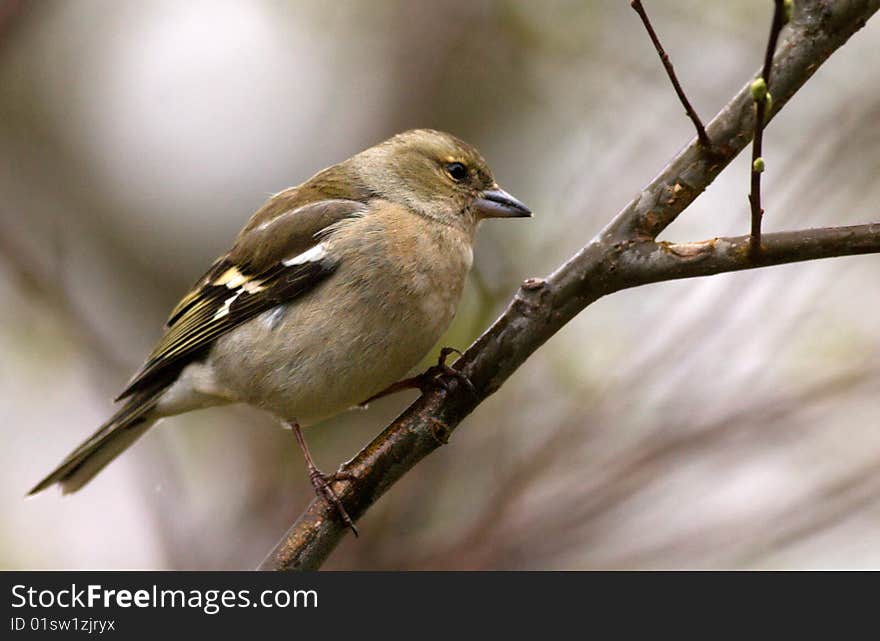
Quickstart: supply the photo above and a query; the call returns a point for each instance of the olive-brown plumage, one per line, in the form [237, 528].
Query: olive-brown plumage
[332, 291]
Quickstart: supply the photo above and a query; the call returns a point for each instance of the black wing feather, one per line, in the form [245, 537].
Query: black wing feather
[250, 279]
[195, 324]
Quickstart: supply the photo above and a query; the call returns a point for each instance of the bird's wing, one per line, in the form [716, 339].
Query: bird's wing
[271, 263]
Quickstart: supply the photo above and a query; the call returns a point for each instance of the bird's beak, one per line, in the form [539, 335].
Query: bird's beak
[497, 203]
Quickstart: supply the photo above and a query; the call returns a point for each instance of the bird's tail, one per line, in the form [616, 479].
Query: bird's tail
[111, 439]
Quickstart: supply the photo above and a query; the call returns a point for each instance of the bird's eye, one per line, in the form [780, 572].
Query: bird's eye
[457, 171]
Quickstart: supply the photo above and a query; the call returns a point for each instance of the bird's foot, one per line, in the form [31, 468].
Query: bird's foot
[323, 482]
[323, 488]
[440, 373]
[435, 376]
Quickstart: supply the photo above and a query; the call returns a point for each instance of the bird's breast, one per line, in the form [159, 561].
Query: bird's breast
[394, 292]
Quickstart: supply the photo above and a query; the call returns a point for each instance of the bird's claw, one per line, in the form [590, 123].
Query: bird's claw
[323, 488]
[437, 374]
[429, 379]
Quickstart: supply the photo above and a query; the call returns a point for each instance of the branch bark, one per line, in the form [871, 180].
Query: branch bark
[625, 254]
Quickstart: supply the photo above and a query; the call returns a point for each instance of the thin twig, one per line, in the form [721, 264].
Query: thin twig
[761, 94]
[664, 58]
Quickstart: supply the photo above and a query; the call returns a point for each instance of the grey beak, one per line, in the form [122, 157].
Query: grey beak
[497, 203]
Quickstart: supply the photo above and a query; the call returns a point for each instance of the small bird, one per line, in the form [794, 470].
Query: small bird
[333, 291]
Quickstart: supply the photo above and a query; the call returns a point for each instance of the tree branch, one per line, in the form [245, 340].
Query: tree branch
[624, 254]
[652, 262]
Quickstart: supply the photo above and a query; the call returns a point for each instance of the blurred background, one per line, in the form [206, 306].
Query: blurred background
[726, 422]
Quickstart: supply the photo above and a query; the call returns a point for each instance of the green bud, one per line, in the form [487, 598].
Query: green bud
[758, 165]
[758, 89]
[769, 100]
[788, 10]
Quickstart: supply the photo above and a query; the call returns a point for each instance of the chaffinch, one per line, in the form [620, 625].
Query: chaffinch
[334, 290]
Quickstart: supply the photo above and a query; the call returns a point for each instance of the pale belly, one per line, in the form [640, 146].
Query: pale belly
[316, 357]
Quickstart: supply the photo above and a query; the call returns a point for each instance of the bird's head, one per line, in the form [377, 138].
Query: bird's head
[437, 175]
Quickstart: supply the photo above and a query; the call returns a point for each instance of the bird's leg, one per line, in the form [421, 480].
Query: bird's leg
[428, 379]
[320, 481]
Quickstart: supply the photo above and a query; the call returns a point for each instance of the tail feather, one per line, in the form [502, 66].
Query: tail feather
[111, 439]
